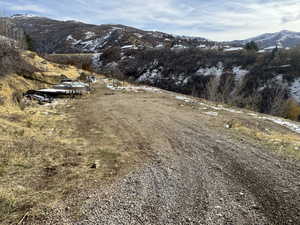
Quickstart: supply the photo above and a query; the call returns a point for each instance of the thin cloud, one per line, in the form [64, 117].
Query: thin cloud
[214, 19]
[290, 18]
[30, 8]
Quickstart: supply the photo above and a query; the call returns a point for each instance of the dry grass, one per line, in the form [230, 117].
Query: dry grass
[41, 158]
[82, 61]
[25, 156]
[286, 144]
[45, 157]
[50, 69]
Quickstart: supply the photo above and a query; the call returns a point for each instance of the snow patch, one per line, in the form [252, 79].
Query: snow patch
[129, 47]
[211, 71]
[136, 89]
[160, 45]
[202, 46]
[220, 107]
[117, 28]
[212, 113]
[290, 125]
[233, 49]
[150, 76]
[89, 45]
[138, 35]
[239, 73]
[271, 48]
[70, 38]
[185, 99]
[96, 61]
[293, 126]
[295, 90]
[178, 46]
[89, 34]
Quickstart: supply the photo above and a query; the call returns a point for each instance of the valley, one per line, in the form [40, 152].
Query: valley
[175, 130]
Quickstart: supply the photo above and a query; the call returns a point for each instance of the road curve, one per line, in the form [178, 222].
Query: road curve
[196, 172]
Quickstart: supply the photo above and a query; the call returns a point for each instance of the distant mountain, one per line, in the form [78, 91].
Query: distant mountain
[52, 36]
[284, 39]
[123, 53]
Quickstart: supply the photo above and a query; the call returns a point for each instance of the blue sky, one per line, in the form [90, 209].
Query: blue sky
[213, 19]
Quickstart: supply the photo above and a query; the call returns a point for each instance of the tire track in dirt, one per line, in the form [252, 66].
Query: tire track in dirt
[189, 172]
[278, 206]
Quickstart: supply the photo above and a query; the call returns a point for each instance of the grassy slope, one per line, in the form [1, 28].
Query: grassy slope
[31, 141]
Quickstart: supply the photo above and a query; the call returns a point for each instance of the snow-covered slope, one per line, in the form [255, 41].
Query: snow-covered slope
[284, 39]
[53, 36]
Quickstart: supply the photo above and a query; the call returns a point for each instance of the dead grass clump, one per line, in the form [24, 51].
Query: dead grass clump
[2, 100]
[18, 99]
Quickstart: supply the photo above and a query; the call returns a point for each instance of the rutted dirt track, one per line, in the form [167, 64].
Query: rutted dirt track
[190, 169]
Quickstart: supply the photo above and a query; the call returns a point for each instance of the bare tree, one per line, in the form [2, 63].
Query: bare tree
[279, 104]
[226, 87]
[9, 30]
[213, 88]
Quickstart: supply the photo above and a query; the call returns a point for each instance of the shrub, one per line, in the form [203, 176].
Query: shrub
[251, 46]
[82, 61]
[293, 110]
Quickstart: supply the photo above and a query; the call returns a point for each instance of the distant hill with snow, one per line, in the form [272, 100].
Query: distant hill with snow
[176, 63]
[283, 39]
[52, 36]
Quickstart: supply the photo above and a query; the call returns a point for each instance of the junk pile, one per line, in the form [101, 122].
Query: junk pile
[66, 88]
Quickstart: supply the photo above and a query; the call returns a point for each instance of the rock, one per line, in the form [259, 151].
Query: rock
[255, 206]
[96, 164]
[227, 126]
[109, 93]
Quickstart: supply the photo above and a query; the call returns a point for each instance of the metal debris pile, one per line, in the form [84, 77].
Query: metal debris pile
[66, 88]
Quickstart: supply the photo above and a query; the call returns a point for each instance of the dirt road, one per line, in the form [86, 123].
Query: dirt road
[187, 168]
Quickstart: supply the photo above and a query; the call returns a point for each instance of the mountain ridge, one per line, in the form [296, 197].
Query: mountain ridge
[37, 27]
[54, 36]
[283, 39]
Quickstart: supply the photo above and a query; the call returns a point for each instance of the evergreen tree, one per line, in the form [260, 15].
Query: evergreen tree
[29, 42]
[251, 46]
